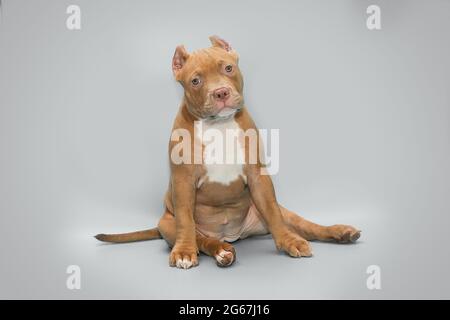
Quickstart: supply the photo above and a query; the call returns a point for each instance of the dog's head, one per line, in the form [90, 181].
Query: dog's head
[211, 79]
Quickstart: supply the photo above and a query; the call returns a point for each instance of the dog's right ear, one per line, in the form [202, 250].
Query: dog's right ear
[179, 59]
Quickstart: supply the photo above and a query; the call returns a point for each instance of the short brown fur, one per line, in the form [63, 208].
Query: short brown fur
[199, 216]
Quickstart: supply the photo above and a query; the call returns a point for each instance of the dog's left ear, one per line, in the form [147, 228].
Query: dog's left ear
[220, 43]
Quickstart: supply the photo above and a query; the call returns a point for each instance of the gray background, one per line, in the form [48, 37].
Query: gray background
[364, 125]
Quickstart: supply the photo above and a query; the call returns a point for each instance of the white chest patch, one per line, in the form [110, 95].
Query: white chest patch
[223, 155]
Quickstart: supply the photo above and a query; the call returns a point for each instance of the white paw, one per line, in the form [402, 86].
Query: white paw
[224, 258]
[184, 264]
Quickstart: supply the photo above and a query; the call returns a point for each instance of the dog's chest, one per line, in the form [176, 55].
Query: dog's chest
[223, 153]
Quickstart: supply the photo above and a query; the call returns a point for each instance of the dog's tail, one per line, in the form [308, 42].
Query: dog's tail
[149, 234]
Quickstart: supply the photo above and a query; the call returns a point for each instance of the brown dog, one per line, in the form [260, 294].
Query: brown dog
[209, 205]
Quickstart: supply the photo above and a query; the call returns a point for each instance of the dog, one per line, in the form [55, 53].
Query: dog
[208, 205]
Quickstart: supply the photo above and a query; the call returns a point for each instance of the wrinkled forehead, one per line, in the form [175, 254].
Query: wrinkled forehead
[206, 61]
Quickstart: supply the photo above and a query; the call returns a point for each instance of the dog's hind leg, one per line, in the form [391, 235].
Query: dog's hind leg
[312, 231]
[223, 252]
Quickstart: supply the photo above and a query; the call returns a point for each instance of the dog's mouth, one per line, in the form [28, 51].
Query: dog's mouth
[224, 113]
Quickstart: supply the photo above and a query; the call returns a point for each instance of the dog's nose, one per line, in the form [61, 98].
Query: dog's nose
[221, 94]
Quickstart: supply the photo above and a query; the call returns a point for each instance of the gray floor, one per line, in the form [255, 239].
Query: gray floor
[141, 270]
[364, 119]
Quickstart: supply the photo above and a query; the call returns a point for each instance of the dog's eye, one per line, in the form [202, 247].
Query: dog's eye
[195, 81]
[229, 68]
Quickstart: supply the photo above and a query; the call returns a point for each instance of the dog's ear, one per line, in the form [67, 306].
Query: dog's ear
[220, 43]
[179, 59]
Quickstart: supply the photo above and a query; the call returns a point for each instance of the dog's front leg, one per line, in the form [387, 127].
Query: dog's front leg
[263, 196]
[184, 252]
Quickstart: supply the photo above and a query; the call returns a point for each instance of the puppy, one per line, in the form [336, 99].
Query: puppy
[209, 204]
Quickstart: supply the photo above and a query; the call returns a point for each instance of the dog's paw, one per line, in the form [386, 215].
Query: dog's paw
[183, 257]
[294, 245]
[225, 255]
[345, 234]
